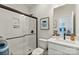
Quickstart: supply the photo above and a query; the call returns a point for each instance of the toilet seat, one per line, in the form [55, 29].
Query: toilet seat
[38, 51]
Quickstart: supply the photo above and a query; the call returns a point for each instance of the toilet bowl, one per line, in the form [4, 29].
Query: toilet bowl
[42, 46]
[38, 51]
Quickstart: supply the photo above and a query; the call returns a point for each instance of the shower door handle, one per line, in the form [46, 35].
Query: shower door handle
[20, 36]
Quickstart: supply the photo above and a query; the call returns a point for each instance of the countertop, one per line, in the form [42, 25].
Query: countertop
[67, 42]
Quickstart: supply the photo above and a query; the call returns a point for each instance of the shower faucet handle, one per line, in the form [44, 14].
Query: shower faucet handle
[32, 31]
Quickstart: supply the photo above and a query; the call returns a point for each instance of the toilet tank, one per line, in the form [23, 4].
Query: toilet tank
[42, 43]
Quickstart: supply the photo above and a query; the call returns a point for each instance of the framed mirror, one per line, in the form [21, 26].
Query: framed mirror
[64, 20]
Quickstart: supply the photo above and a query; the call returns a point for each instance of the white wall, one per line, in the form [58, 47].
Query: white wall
[57, 5]
[41, 11]
[21, 7]
[77, 19]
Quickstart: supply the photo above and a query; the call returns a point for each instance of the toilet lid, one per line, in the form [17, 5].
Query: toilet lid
[38, 51]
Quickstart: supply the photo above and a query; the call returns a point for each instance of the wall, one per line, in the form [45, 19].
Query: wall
[21, 7]
[41, 11]
[57, 5]
[77, 19]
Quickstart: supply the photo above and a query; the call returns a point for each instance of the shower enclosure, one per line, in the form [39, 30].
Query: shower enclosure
[19, 29]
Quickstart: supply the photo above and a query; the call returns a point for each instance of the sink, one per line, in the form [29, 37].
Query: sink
[58, 38]
[67, 41]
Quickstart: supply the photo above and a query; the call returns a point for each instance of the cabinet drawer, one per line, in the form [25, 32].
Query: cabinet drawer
[55, 52]
[63, 48]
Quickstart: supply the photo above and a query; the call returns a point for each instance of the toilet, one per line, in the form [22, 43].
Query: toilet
[42, 47]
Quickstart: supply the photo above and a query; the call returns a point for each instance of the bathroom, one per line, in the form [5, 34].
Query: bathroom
[39, 29]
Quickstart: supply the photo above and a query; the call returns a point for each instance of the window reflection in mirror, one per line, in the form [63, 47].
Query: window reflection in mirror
[64, 18]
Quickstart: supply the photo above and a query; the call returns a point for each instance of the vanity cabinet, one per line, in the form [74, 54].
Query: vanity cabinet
[59, 49]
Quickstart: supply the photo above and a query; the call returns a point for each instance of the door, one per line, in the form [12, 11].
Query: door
[20, 31]
[30, 37]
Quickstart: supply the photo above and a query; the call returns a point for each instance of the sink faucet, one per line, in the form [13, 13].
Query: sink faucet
[64, 36]
[64, 33]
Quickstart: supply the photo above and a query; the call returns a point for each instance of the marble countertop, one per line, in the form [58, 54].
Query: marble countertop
[67, 42]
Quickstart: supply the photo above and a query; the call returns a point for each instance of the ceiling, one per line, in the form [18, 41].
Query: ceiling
[30, 6]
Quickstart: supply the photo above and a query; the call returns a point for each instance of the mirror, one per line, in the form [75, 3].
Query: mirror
[64, 20]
